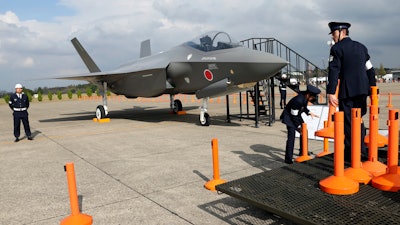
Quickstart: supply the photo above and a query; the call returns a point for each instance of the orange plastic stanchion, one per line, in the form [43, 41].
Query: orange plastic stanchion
[355, 172]
[389, 105]
[210, 185]
[391, 180]
[373, 166]
[326, 144]
[304, 144]
[76, 218]
[380, 140]
[328, 131]
[338, 183]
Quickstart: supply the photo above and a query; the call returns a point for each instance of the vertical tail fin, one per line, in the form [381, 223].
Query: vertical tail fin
[145, 49]
[90, 64]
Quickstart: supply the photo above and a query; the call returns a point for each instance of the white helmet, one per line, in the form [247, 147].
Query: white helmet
[283, 76]
[18, 86]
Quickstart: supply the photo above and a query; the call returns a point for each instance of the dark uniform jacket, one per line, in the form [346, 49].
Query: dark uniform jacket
[19, 104]
[291, 115]
[347, 62]
[282, 86]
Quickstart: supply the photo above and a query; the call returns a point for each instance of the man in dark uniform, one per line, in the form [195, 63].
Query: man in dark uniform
[350, 63]
[19, 103]
[282, 90]
[291, 116]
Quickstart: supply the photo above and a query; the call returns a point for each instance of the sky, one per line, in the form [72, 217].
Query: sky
[35, 36]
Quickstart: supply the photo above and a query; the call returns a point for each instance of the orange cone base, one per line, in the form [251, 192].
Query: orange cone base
[375, 168]
[324, 153]
[105, 120]
[302, 158]
[382, 141]
[178, 113]
[326, 132]
[210, 185]
[358, 174]
[339, 185]
[80, 219]
[387, 182]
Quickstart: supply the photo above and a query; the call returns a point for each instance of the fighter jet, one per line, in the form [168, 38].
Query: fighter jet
[212, 64]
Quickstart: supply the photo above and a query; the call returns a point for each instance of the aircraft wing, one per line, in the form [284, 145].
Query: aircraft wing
[144, 83]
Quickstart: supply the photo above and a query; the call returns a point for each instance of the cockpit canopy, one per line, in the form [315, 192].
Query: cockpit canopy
[212, 41]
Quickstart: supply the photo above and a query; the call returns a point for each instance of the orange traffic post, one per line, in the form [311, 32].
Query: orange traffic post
[355, 172]
[389, 105]
[326, 144]
[338, 183]
[304, 144]
[373, 166]
[381, 140]
[391, 180]
[76, 218]
[210, 185]
[328, 131]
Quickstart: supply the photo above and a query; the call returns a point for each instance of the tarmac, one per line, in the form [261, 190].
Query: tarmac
[145, 166]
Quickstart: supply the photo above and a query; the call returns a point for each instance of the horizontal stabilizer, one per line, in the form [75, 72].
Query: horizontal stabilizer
[145, 49]
[90, 64]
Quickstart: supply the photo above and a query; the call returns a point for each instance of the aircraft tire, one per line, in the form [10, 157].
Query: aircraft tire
[100, 112]
[206, 122]
[177, 106]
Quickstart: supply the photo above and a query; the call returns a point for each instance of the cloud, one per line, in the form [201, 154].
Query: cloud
[28, 62]
[111, 31]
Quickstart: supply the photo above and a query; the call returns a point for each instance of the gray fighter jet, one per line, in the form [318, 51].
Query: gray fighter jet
[211, 65]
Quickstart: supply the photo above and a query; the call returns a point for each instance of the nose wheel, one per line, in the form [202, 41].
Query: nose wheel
[204, 117]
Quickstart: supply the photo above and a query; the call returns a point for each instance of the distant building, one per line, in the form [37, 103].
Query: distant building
[396, 75]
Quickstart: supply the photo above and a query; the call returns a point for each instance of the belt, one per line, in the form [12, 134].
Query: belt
[19, 109]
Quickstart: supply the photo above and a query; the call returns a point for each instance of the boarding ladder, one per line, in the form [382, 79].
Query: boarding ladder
[299, 69]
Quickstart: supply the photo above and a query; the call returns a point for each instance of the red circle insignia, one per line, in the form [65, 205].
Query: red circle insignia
[208, 75]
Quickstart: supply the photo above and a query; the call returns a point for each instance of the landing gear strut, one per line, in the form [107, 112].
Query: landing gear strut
[102, 110]
[204, 117]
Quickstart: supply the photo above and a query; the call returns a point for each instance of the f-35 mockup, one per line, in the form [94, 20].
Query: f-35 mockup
[210, 65]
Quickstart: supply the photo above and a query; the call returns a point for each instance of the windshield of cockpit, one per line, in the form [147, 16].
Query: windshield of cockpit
[212, 41]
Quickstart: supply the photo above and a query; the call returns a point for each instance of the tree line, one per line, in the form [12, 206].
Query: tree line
[88, 89]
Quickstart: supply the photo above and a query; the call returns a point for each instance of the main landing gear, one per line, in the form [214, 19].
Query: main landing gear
[176, 107]
[102, 110]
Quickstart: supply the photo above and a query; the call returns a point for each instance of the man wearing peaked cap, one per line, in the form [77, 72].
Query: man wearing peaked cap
[338, 26]
[313, 90]
[350, 63]
[19, 103]
[291, 116]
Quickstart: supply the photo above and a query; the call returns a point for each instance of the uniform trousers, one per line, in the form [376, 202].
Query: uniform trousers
[291, 135]
[18, 117]
[346, 105]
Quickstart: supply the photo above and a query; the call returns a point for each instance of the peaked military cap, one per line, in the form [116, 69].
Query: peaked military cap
[338, 26]
[313, 90]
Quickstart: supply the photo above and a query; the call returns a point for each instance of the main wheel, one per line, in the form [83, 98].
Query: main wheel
[177, 106]
[100, 112]
[206, 121]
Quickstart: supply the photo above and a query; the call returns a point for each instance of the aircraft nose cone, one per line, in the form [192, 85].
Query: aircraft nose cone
[259, 65]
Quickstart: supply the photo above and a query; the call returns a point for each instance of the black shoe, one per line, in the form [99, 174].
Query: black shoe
[30, 138]
[16, 140]
[289, 162]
